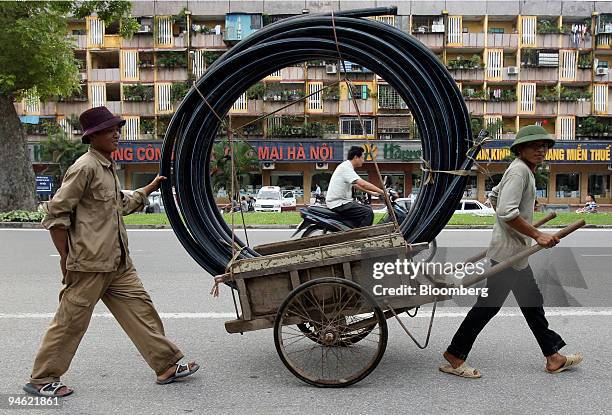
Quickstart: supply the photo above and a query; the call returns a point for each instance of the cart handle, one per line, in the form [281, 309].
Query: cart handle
[523, 254]
[537, 224]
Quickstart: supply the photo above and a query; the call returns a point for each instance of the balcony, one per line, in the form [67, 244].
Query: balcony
[292, 73]
[105, 75]
[295, 109]
[330, 107]
[473, 40]
[577, 108]
[567, 42]
[547, 40]
[467, 74]
[146, 74]
[79, 41]
[602, 78]
[138, 41]
[501, 40]
[207, 41]
[255, 106]
[318, 73]
[114, 107]
[142, 108]
[507, 108]
[347, 107]
[539, 74]
[431, 40]
[584, 75]
[72, 107]
[475, 107]
[546, 108]
[172, 74]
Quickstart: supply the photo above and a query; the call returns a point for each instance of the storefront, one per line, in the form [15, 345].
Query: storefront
[574, 169]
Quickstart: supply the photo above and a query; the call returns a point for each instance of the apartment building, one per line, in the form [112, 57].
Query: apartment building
[516, 63]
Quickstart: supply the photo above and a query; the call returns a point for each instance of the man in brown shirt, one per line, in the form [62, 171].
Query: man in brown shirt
[85, 219]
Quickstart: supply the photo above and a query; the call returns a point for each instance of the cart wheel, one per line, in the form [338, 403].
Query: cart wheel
[329, 308]
[349, 338]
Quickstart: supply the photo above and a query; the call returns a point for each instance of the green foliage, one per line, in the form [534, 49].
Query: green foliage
[546, 26]
[257, 91]
[172, 60]
[332, 93]
[475, 62]
[245, 163]
[547, 94]
[110, 12]
[138, 92]
[585, 61]
[210, 57]
[147, 126]
[573, 94]
[179, 90]
[21, 216]
[590, 126]
[471, 94]
[35, 50]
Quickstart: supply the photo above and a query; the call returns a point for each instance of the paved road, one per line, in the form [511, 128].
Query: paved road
[242, 374]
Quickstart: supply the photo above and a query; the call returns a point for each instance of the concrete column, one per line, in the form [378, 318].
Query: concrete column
[307, 183]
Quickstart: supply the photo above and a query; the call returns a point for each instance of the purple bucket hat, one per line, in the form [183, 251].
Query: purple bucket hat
[97, 119]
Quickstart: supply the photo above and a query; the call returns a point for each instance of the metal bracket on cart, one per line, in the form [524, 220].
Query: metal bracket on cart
[399, 320]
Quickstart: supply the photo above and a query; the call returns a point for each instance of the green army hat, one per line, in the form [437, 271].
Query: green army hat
[531, 133]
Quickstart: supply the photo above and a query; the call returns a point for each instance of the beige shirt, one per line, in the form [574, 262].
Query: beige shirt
[91, 205]
[514, 196]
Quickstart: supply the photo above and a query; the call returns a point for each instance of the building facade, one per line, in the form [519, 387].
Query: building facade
[516, 63]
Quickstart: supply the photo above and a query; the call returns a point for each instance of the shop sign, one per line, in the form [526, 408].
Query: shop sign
[389, 152]
[290, 151]
[138, 152]
[44, 185]
[562, 153]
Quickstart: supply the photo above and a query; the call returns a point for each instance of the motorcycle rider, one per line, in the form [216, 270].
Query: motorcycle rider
[339, 198]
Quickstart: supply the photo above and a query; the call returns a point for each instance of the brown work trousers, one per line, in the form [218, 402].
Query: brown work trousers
[128, 301]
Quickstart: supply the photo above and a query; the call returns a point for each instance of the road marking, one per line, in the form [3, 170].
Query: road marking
[596, 255]
[554, 312]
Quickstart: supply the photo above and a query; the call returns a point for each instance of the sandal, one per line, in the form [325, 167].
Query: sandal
[178, 373]
[48, 390]
[571, 361]
[463, 370]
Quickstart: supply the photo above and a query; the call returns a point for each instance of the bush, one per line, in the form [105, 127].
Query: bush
[21, 216]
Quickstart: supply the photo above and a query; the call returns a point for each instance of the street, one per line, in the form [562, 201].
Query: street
[243, 374]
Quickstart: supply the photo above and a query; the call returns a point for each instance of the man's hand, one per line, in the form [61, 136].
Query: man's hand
[154, 185]
[547, 240]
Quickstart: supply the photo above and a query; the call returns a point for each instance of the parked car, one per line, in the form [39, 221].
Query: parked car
[272, 199]
[474, 207]
[156, 203]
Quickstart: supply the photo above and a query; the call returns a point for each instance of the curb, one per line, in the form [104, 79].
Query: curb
[37, 225]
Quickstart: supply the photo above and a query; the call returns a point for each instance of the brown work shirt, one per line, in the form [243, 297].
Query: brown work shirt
[91, 205]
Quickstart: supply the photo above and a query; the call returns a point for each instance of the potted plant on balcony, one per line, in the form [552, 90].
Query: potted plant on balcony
[545, 26]
[548, 94]
[179, 90]
[475, 62]
[508, 95]
[147, 126]
[331, 93]
[585, 61]
[257, 91]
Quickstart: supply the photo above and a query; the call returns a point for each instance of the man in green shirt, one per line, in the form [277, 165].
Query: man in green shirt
[513, 200]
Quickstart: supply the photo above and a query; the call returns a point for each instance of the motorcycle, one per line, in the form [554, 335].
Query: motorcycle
[317, 220]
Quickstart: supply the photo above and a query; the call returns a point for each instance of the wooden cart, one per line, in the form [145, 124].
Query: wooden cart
[316, 294]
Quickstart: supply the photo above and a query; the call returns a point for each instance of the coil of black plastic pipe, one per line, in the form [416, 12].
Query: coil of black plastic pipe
[400, 59]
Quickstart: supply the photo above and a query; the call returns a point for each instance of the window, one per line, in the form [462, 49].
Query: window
[454, 30]
[495, 62]
[567, 130]
[131, 129]
[568, 61]
[352, 126]
[130, 64]
[164, 30]
[528, 32]
[600, 98]
[471, 206]
[568, 185]
[528, 92]
[388, 98]
[164, 102]
[599, 185]
[314, 101]
[361, 91]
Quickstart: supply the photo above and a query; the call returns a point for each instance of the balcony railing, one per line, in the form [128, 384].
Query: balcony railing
[467, 74]
[297, 108]
[503, 108]
[146, 74]
[577, 108]
[347, 106]
[502, 40]
[74, 107]
[140, 41]
[431, 40]
[568, 42]
[172, 74]
[584, 75]
[473, 40]
[539, 74]
[105, 75]
[80, 41]
[547, 40]
[475, 107]
[208, 41]
[142, 108]
[546, 108]
[114, 107]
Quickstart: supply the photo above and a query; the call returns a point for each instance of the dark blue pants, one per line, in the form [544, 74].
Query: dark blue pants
[357, 213]
[529, 298]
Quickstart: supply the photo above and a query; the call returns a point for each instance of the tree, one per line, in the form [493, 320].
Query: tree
[37, 60]
[221, 167]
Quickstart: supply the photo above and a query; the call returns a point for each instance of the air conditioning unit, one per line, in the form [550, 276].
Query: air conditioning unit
[144, 28]
[331, 69]
[601, 71]
[548, 59]
[267, 165]
[322, 166]
[513, 70]
[437, 28]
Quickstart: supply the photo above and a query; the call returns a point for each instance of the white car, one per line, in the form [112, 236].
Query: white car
[272, 199]
[474, 207]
